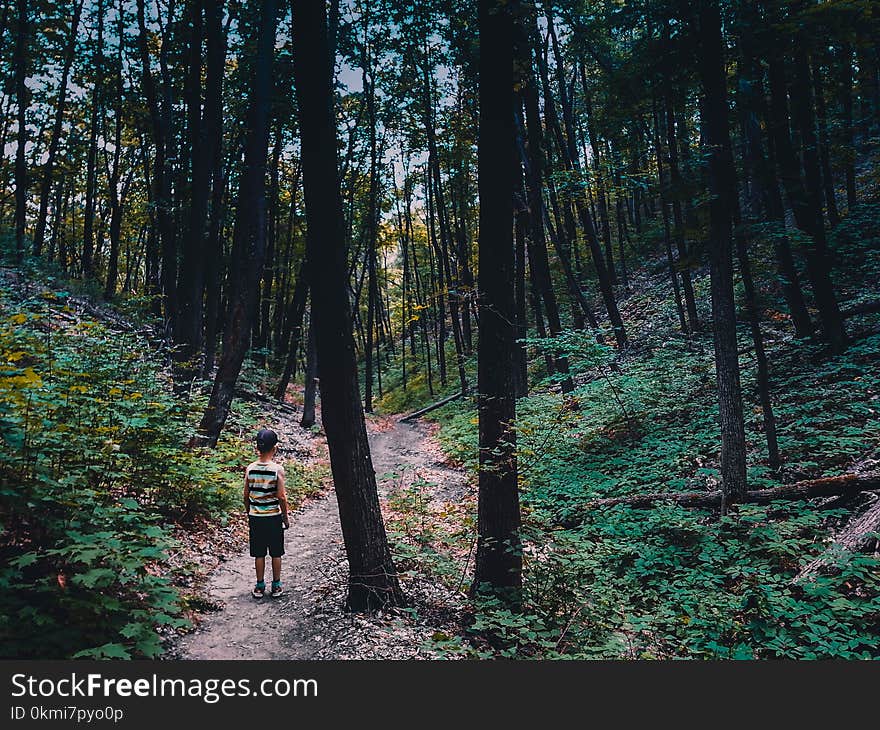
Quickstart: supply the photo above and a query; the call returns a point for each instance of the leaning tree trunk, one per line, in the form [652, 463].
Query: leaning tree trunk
[498, 565]
[372, 580]
[249, 235]
[722, 188]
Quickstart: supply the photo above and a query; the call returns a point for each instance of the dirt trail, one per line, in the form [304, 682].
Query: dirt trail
[307, 622]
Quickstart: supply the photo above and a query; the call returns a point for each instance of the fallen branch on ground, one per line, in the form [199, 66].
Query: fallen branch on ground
[428, 409]
[846, 484]
[855, 536]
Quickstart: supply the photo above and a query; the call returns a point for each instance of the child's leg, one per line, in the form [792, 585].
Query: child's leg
[276, 569]
[260, 567]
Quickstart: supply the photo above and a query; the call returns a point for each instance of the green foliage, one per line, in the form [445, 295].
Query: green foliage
[91, 465]
[671, 582]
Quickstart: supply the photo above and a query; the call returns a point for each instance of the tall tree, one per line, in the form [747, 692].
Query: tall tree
[722, 188]
[498, 559]
[372, 578]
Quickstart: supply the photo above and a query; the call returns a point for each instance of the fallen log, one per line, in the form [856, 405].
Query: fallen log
[855, 536]
[428, 409]
[846, 484]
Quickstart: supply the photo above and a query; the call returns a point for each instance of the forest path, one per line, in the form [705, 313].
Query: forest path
[302, 623]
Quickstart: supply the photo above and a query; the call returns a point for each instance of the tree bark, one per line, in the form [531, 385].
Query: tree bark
[723, 191]
[498, 567]
[372, 578]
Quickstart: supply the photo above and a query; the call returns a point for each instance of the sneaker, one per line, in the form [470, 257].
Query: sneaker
[259, 589]
[277, 590]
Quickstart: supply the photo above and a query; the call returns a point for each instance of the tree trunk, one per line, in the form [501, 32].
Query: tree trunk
[722, 188]
[498, 565]
[372, 578]
[846, 107]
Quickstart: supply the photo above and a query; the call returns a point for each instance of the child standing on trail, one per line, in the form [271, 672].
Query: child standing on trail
[266, 504]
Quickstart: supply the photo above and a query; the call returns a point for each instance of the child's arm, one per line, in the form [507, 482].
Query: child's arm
[282, 497]
[247, 492]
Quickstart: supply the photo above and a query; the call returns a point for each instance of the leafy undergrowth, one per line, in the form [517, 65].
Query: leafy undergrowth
[93, 477]
[672, 582]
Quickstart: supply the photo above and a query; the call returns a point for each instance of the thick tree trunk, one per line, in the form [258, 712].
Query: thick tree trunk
[722, 188]
[372, 575]
[498, 565]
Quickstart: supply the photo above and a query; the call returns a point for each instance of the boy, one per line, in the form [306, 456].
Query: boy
[265, 502]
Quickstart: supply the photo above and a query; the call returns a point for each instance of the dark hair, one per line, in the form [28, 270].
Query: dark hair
[266, 439]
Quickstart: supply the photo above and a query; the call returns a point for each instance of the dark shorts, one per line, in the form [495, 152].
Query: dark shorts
[266, 534]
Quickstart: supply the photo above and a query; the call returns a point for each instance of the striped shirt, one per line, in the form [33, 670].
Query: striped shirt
[262, 482]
